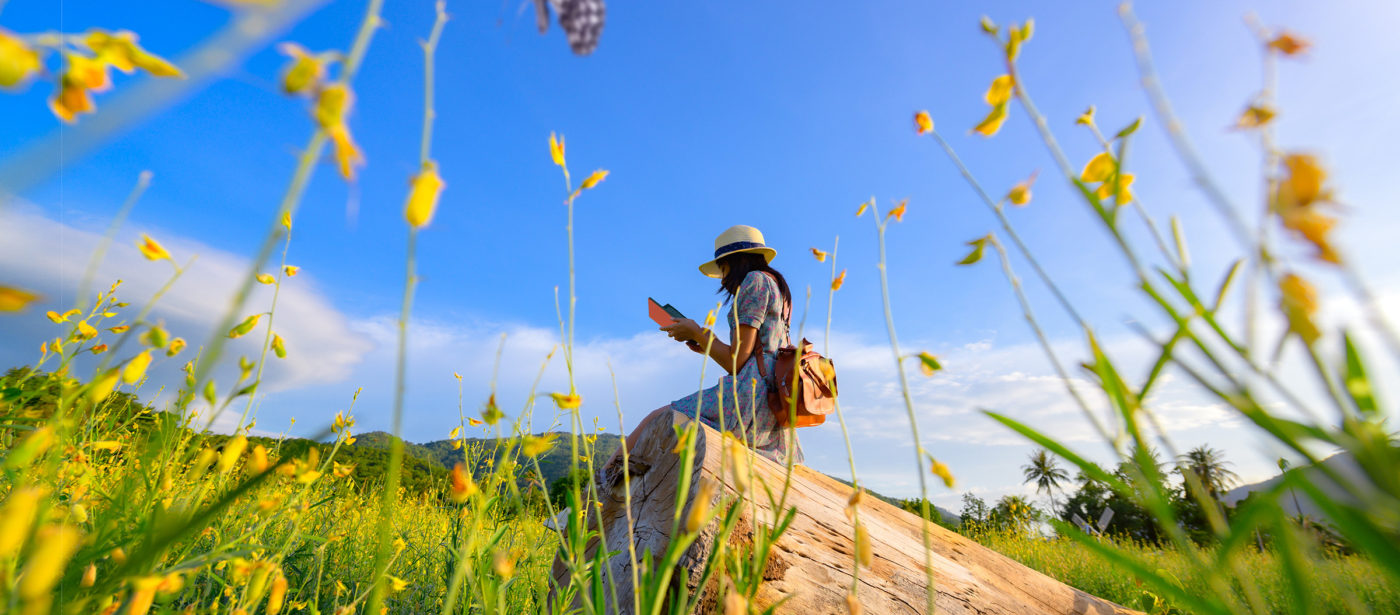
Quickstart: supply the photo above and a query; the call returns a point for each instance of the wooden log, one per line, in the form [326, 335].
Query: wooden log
[809, 568]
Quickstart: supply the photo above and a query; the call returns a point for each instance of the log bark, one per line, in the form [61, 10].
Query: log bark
[809, 568]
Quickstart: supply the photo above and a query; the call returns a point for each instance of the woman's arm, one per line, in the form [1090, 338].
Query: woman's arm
[728, 357]
[732, 358]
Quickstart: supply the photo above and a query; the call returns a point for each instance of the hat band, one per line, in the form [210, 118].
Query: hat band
[736, 246]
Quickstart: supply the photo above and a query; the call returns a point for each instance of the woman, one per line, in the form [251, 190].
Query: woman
[759, 302]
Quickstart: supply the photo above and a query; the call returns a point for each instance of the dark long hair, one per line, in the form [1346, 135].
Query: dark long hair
[740, 265]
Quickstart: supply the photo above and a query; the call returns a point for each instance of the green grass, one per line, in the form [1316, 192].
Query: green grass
[1333, 580]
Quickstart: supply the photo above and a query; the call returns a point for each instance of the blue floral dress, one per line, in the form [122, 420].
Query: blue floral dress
[758, 304]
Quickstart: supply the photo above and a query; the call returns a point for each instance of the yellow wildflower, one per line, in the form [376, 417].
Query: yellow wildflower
[1255, 115]
[991, 124]
[898, 212]
[266, 278]
[347, 154]
[1020, 194]
[1086, 118]
[1289, 44]
[1100, 168]
[15, 299]
[119, 329]
[143, 595]
[594, 178]
[864, 554]
[567, 402]
[503, 562]
[853, 503]
[556, 149]
[305, 71]
[423, 196]
[463, 486]
[860, 210]
[89, 575]
[136, 367]
[700, 506]
[838, 280]
[244, 327]
[16, 517]
[277, 594]
[233, 449]
[853, 605]
[1000, 91]
[55, 544]
[290, 270]
[819, 255]
[1302, 188]
[1124, 196]
[120, 51]
[151, 249]
[1298, 300]
[474, 422]
[103, 385]
[929, 364]
[257, 461]
[85, 330]
[176, 345]
[941, 470]
[923, 123]
[396, 584]
[18, 61]
[534, 446]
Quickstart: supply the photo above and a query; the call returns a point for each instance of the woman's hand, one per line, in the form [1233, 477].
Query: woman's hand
[685, 330]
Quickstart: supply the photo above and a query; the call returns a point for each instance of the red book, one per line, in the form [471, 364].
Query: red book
[664, 315]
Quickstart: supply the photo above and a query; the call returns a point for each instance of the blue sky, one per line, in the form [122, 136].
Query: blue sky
[707, 115]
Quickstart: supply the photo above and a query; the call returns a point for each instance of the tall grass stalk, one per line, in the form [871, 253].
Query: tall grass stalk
[391, 483]
[880, 226]
[306, 165]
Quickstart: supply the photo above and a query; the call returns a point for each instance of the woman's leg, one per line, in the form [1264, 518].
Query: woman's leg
[635, 437]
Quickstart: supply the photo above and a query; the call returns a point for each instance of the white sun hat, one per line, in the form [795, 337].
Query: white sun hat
[737, 239]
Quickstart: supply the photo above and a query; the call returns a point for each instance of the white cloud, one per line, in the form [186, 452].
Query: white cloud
[50, 256]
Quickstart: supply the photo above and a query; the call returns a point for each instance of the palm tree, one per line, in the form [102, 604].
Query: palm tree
[1208, 465]
[1045, 471]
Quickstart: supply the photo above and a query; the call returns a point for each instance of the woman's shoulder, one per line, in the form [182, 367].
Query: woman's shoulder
[758, 280]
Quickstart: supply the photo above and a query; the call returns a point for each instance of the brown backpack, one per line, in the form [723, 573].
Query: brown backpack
[803, 370]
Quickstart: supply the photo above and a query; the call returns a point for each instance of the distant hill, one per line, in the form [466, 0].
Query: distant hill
[1342, 463]
[553, 464]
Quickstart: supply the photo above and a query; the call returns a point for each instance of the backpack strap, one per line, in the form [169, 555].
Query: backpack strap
[786, 315]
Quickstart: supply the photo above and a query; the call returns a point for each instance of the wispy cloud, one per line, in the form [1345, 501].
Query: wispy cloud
[50, 257]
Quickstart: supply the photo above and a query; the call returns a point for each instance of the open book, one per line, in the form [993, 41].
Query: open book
[664, 315]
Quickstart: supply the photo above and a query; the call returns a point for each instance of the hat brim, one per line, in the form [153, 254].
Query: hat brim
[711, 269]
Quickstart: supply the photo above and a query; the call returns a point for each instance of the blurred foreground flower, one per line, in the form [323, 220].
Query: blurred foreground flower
[15, 299]
[1298, 195]
[1298, 300]
[423, 196]
[151, 249]
[18, 61]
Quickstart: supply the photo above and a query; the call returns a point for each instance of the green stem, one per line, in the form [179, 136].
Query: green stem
[142, 182]
[913, 420]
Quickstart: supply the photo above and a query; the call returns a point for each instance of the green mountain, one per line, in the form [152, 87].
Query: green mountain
[440, 453]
